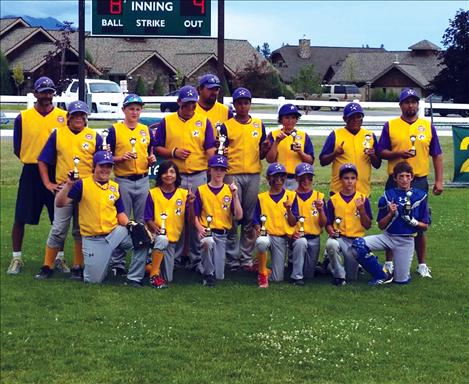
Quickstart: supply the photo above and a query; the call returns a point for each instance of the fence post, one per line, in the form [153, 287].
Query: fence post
[281, 101]
[30, 100]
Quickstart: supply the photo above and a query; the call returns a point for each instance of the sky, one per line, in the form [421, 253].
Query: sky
[395, 24]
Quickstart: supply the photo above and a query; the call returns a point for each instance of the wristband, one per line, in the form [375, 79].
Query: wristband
[173, 153]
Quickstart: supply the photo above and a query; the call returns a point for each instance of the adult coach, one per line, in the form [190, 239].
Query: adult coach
[351, 144]
[132, 146]
[413, 139]
[186, 137]
[31, 130]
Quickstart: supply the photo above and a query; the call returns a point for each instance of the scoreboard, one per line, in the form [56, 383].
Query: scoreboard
[122, 18]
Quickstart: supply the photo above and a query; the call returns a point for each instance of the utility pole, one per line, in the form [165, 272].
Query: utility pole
[81, 50]
[221, 47]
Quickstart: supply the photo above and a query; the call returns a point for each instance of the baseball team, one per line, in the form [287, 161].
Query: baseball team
[207, 186]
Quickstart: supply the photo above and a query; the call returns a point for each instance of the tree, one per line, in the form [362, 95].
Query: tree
[18, 76]
[453, 79]
[140, 88]
[265, 50]
[62, 44]
[308, 81]
[157, 88]
[5, 85]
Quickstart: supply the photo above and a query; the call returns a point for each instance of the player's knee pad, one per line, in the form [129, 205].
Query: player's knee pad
[332, 246]
[361, 250]
[161, 242]
[262, 243]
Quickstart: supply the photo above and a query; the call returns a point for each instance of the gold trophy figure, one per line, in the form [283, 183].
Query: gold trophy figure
[163, 216]
[367, 144]
[337, 222]
[296, 140]
[133, 141]
[263, 230]
[301, 232]
[76, 161]
[221, 146]
[412, 150]
[105, 134]
[408, 204]
[208, 230]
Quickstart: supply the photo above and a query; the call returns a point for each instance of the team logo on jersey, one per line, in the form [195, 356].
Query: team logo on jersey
[226, 201]
[179, 202]
[421, 137]
[255, 133]
[144, 140]
[85, 146]
[401, 200]
[255, 124]
[143, 133]
[112, 197]
[198, 123]
[421, 129]
[60, 119]
[88, 136]
[196, 133]
[178, 211]
[298, 137]
[314, 212]
[357, 213]
[112, 188]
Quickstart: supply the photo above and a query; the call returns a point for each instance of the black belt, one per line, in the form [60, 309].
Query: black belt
[290, 176]
[220, 231]
[134, 177]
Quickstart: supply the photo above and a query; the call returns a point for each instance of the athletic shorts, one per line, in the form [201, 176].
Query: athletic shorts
[32, 196]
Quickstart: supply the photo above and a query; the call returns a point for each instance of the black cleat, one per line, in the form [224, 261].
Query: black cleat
[44, 273]
[76, 273]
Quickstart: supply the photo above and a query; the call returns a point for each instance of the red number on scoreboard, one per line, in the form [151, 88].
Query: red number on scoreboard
[115, 7]
[200, 4]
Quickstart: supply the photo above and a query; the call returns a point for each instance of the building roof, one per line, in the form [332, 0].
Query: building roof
[424, 45]
[8, 23]
[32, 58]
[18, 36]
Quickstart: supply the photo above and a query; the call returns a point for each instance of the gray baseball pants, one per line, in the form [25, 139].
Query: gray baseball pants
[134, 196]
[343, 262]
[213, 255]
[305, 257]
[61, 224]
[239, 250]
[278, 250]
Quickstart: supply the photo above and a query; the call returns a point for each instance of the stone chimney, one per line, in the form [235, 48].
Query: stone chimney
[304, 48]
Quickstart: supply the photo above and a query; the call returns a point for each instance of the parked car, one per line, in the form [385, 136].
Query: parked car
[3, 118]
[434, 98]
[334, 92]
[106, 96]
[170, 106]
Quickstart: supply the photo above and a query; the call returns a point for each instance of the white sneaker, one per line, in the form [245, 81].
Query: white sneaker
[389, 267]
[424, 271]
[15, 266]
[61, 266]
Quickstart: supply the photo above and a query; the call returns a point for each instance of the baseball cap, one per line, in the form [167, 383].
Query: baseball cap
[78, 106]
[351, 109]
[241, 93]
[209, 81]
[102, 157]
[288, 109]
[44, 84]
[132, 98]
[406, 93]
[218, 161]
[275, 168]
[187, 94]
[347, 167]
[303, 169]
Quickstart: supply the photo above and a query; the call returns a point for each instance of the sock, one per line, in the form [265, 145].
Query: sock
[78, 254]
[50, 256]
[156, 259]
[60, 255]
[17, 255]
[262, 257]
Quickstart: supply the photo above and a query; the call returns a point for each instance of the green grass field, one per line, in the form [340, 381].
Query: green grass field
[59, 331]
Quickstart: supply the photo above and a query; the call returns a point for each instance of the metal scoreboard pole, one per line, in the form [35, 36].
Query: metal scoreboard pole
[221, 47]
[81, 50]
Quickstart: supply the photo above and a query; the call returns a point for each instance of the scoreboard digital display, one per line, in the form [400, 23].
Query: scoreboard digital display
[150, 18]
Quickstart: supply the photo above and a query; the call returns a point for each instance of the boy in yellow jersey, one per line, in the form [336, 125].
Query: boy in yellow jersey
[166, 207]
[215, 205]
[351, 144]
[132, 146]
[348, 216]
[101, 215]
[208, 106]
[274, 223]
[31, 130]
[187, 138]
[247, 145]
[290, 146]
[68, 149]
[308, 208]
[412, 139]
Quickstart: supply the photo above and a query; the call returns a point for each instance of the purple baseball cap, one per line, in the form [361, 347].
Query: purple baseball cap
[347, 167]
[406, 93]
[187, 94]
[44, 84]
[303, 169]
[103, 157]
[132, 98]
[78, 106]
[218, 161]
[241, 93]
[275, 168]
[351, 109]
[288, 109]
[209, 81]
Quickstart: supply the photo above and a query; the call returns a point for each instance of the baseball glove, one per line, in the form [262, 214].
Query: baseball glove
[141, 236]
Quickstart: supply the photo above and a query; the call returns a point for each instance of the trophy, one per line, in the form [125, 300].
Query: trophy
[133, 141]
[105, 134]
[407, 204]
[366, 144]
[221, 146]
[263, 230]
[301, 232]
[412, 148]
[296, 140]
[76, 161]
[337, 222]
[208, 230]
[163, 216]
